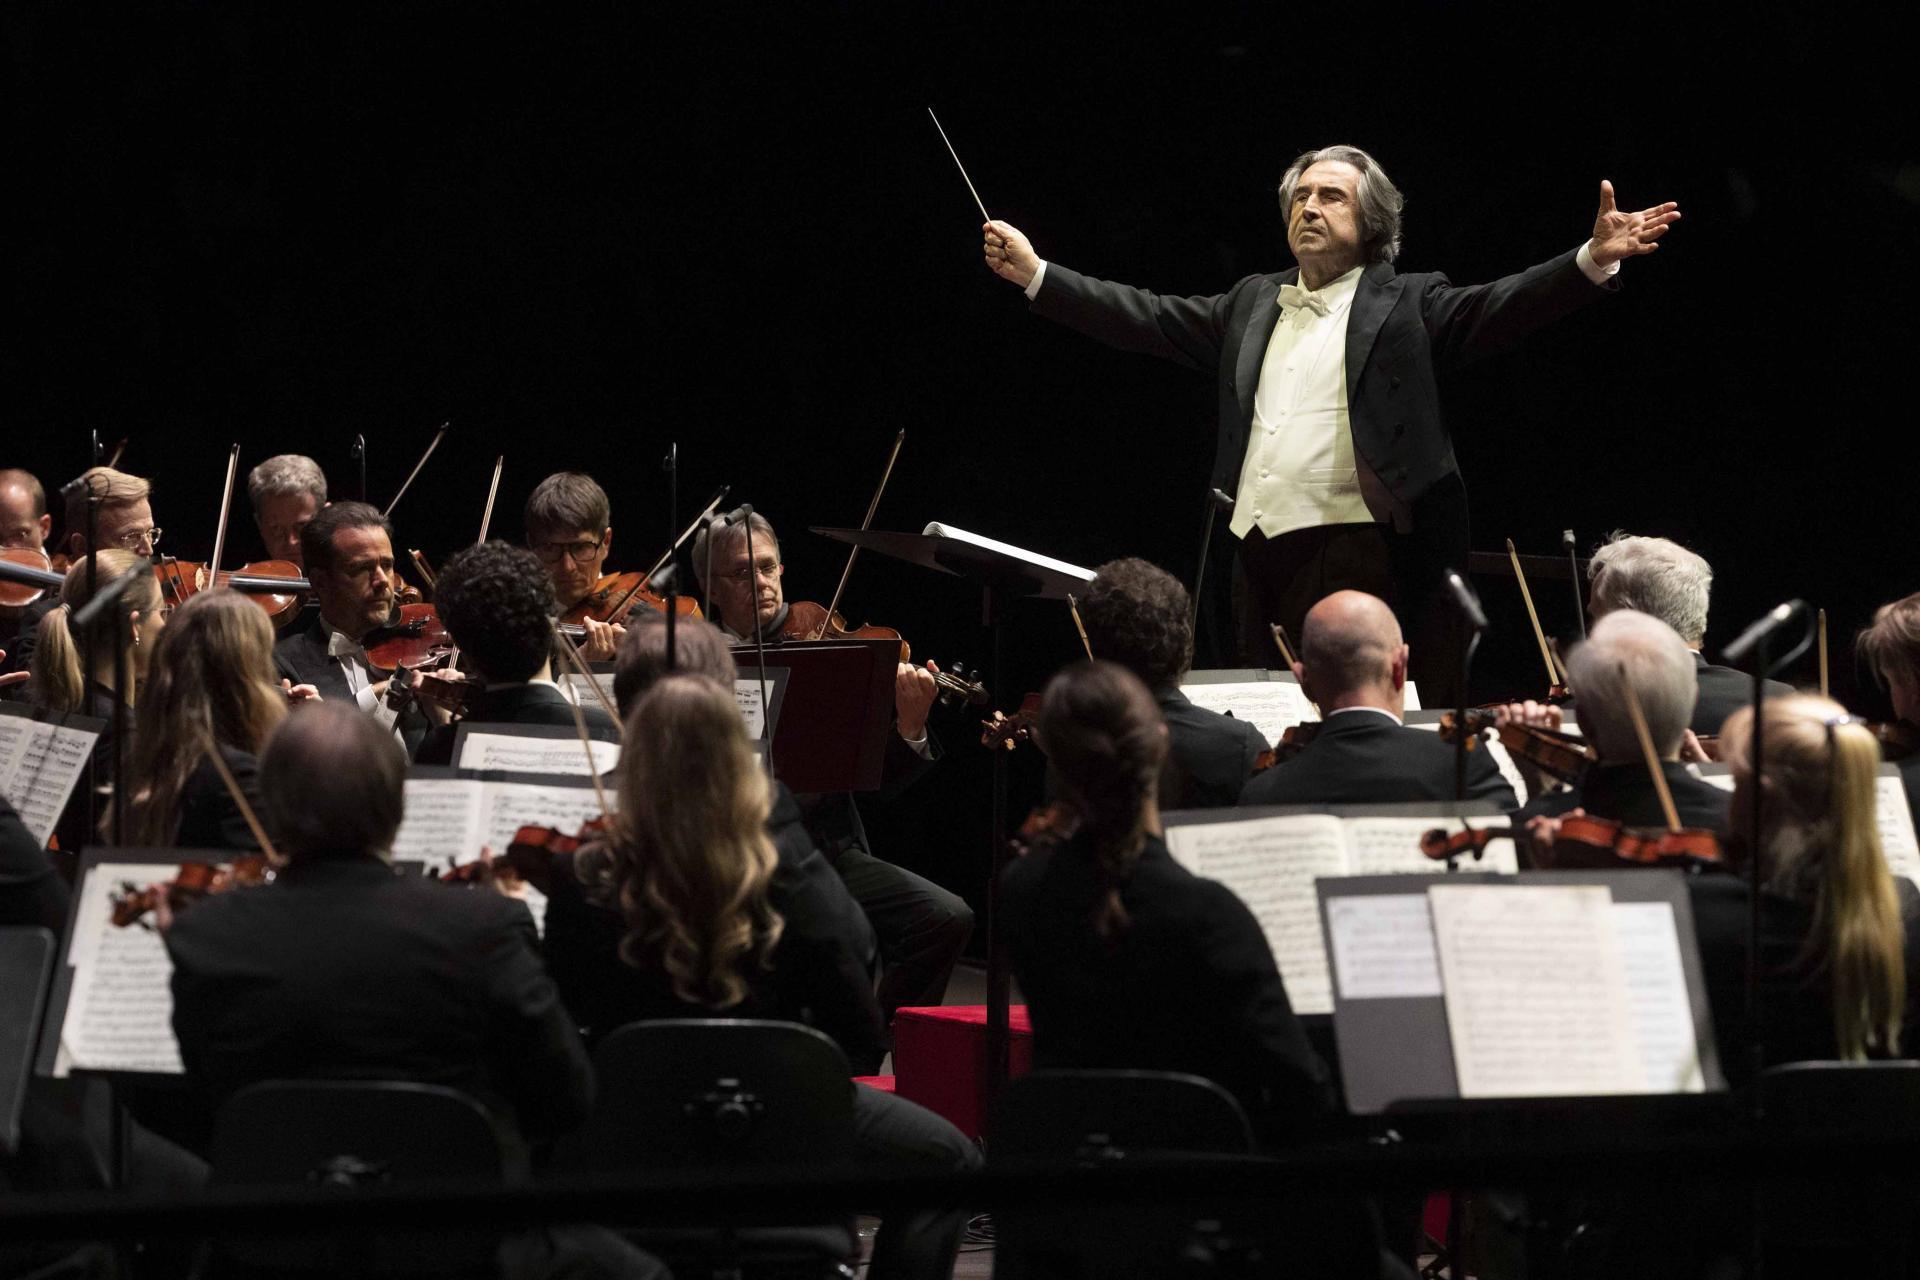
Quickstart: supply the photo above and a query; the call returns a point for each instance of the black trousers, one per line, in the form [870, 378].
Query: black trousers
[1279, 579]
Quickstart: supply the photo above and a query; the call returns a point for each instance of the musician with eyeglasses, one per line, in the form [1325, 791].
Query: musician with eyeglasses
[568, 523]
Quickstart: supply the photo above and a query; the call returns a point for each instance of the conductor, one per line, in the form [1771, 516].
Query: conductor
[1330, 433]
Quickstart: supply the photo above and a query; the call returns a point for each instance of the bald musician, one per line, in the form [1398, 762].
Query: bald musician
[1618, 785]
[569, 524]
[25, 524]
[1353, 665]
[286, 491]
[1891, 647]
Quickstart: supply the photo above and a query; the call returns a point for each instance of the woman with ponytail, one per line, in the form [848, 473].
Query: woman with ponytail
[1128, 960]
[686, 910]
[1839, 961]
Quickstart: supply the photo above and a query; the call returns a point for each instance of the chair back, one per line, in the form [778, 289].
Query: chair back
[687, 1093]
[346, 1135]
[26, 958]
[1097, 1115]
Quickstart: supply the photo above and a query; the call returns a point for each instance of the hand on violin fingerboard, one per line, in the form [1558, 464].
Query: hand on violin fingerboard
[914, 692]
[299, 692]
[602, 640]
[1533, 715]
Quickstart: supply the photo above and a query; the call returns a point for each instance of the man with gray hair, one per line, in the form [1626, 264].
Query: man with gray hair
[1353, 665]
[1660, 577]
[286, 491]
[1627, 645]
[1330, 431]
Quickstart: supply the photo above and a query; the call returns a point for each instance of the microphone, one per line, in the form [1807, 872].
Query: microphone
[80, 483]
[1466, 601]
[1762, 630]
[103, 599]
[666, 580]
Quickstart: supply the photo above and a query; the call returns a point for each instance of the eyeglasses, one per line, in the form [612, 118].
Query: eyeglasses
[135, 539]
[579, 552]
[745, 574]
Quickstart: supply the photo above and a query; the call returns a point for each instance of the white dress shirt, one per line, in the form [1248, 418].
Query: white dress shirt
[352, 657]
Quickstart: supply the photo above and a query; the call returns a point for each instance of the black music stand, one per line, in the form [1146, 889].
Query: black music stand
[835, 705]
[1003, 573]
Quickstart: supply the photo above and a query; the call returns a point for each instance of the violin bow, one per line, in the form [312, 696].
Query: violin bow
[572, 657]
[586, 743]
[1823, 654]
[1279, 631]
[493, 491]
[853, 553]
[428, 453]
[1647, 750]
[1073, 607]
[617, 612]
[211, 749]
[1554, 676]
[113, 459]
[1573, 577]
[226, 509]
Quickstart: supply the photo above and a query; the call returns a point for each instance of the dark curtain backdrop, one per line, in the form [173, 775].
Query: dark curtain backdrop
[581, 234]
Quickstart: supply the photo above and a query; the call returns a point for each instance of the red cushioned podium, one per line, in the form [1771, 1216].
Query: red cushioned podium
[940, 1059]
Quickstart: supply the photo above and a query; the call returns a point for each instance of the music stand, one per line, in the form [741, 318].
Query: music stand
[1002, 572]
[835, 699]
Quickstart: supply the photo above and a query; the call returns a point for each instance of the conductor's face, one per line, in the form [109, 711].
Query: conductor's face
[1323, 226]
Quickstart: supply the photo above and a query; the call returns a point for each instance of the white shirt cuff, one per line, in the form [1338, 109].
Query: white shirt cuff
[921, 746]
[1039, 274]
[1583, 259]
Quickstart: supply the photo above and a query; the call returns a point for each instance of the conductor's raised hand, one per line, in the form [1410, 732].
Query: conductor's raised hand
[1618, 235]
[1009, 253]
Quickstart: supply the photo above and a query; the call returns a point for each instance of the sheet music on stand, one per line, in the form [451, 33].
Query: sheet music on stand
[43, 755]
[746, 692]
[1891, 811]
[1272, 857]
[1545, 984]
[1271, 701]
[833, 710]
[530, 748]
[111, 1008]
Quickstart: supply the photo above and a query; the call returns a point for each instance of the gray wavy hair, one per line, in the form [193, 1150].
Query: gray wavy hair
[1656, 576]
[283, 476]
[1380, 201]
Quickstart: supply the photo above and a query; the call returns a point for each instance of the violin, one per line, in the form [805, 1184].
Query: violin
[1046, 827]
[530, 854]
[1010, 730]
[26, 574]
[1587, 843]
[809, 621]
[1295, 739]
[1558, 755]
[613, 598]
[194, 881]
[413, 636]
[277, 586]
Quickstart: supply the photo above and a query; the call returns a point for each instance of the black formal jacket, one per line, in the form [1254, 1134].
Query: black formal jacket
[1797, 1005]
[1723, 691]
[821, 972]
[515, 704]
[301, 656]
[31, 890]
[209, 819]
[1625, 793]
[1403, 331]
[1209, 756]
[1189, 986]
[1363, 757]
[344, 969]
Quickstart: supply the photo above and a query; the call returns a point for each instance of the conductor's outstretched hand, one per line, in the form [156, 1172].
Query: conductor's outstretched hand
[1010, 254]
[1618, 235]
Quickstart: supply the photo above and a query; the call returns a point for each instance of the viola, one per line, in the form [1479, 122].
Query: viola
[809, 621]
[613, 598]
[1558, 755]
[193, 881]
[277, 586]
[26, 574]
[412, 637]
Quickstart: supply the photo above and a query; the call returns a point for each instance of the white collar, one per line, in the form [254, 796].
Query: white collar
[1379, 711]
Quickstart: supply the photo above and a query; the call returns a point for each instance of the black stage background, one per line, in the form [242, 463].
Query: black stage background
[582, 235]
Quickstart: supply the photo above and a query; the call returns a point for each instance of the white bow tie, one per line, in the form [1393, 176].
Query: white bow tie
[339, 646]
[1292, 295]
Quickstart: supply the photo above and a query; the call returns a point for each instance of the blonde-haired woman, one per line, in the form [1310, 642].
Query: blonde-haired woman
[1838, 959]
[689, 910]
[210, 685]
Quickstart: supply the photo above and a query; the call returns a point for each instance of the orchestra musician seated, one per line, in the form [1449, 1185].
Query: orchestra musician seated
[1128, 960]
[124, 522]
[286, 491]
[568, 524]
[1353, 665]
[1891, 646]
[1618, 786]
[497, 605]
[1138, 615]
[1660, 577]
[922, 927]
[210, 686]
[1839, 933]
[684, 910]
[25, 525]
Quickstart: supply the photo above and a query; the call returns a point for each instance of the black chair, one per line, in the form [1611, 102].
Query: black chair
[345, 1135]
[26, 958]
[1837, 1221]
[1094, 1118]
[732, 1093]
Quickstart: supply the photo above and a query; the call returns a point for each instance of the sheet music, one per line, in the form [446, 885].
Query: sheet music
[120, 1009]
[1271, 706]
[1657, 1001]
[510, 753]
[1411, 693]
[1270, 864]
[441, 825]
[1891, 814]
[1536, 1005]
[1497, 752]
[1382, 946]
[1381, 846]
[573, 687]
[40, 764]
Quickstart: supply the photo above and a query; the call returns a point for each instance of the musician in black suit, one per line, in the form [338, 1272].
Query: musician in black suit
[1891, 646]
[1618, 786]
[497, 602]
[922, 927]
[1353, 665]
[1138, 615]
[1660, 577]
[1330, 431]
